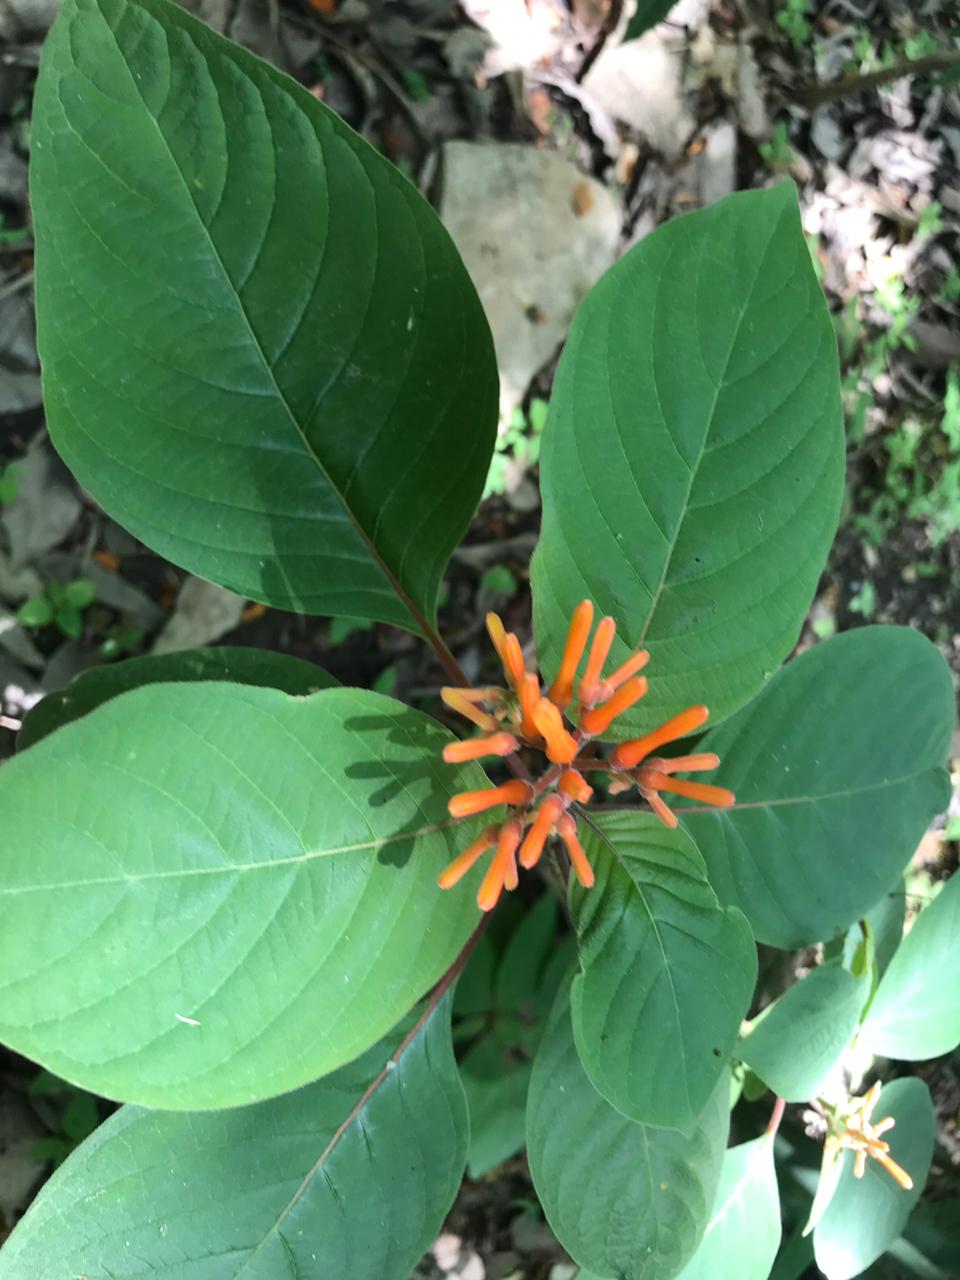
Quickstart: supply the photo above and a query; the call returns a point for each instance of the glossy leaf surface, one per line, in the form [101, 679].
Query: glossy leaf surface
[260, 1192]
[866, 1215]
[743, 1234]
[798, 1043]
[692, 463]
[91, 689]
[916, 1011]
[667, 974]
[624, 1200]
[261, 352]
[838, 767]
[232, 904]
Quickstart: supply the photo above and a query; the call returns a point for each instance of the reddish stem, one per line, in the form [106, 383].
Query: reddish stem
[776, 1116]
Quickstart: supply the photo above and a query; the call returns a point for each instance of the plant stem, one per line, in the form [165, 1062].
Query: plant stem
[776, 1116]
[818, 94]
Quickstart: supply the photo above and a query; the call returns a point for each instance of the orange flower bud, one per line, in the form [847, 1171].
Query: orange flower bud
[561, 691]
[636, 662]
[662, 810]
[459, 867]
[567, 830]
[561, 745]
[541, 827]
[463, 702]
[497, 633]
[513, 664]
[529, 692]
[514, 792]
[575, 785]
[685, 764]
[719, 797]
[602, 640]
[500, 867]
[599, 719]
[629, 754]
[499, 744]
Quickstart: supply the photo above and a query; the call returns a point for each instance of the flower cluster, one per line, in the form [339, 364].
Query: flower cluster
[860, 1135]
[562, 724]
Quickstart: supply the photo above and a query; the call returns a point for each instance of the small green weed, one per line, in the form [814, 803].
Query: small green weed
[63, 605]
[519, 445]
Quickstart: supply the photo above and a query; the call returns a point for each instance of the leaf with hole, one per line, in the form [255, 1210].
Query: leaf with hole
[692, 464]
[666, 972]
[624, 1199]
[259, 1191]
[245, 899]
[838, 767]
[268, 404]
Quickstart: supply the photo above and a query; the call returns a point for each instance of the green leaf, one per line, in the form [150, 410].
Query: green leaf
[646, 15]
[667, 974]
[80, 593]
[311, 367]
[866, 1215]
[69, 620]
[692, 466]
[349, 1178]
[91, 689]
[214, 893]
[623, 1199]
[496, 1087]
[743, 1234]
[36, 612]
[838, 767]
[916, 1013]
[801, 1039]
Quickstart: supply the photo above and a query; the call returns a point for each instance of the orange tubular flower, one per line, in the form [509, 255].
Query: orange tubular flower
[567, 830]
[636, 662]
[561, 691]
[470, 802]
[541, 827]
[503, 868]
[513, 663]
[629, 754]
[860, 1135]
[459, 867]
[561, 745]
[529, 694]
[499, 744]
[599, 719]
[575, 785]
[463, 702]
[602, 640]
[497, 633]
[654, 780]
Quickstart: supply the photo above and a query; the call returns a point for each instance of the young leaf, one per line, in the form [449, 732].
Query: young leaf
[743, 1234]
[866, 1215]
[667, 973]
[916, 1011]
[232, 904]
[90, 689]
[838, 767]
[692, 465]
[261, 351]
[796, 1046]
[349, 1178]
[624, 1200]
[35, 612]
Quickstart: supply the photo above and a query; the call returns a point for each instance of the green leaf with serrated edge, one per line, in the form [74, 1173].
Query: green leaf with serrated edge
[799, 1042]
[838, 767]
[692, 465]
[90, 689]
[624, 1199]
[214, 893]
[667, 974]
[349, 1178]
[743, 1234]
[867, 1214]
[916, 1011]
[300, 401]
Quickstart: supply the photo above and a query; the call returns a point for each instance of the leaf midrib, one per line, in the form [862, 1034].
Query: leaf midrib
[237, 868]
[418, 617]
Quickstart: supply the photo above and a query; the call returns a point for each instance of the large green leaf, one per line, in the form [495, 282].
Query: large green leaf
[797, 1045]
[91, 689]
[866, 1215]
[261, 352]
[837, 766]
[646, 15]
[916, 1011]
[348, 1179]
[214, 893]
[627, 1201]
[667, 974]
[743, 1234]
[692, 464]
